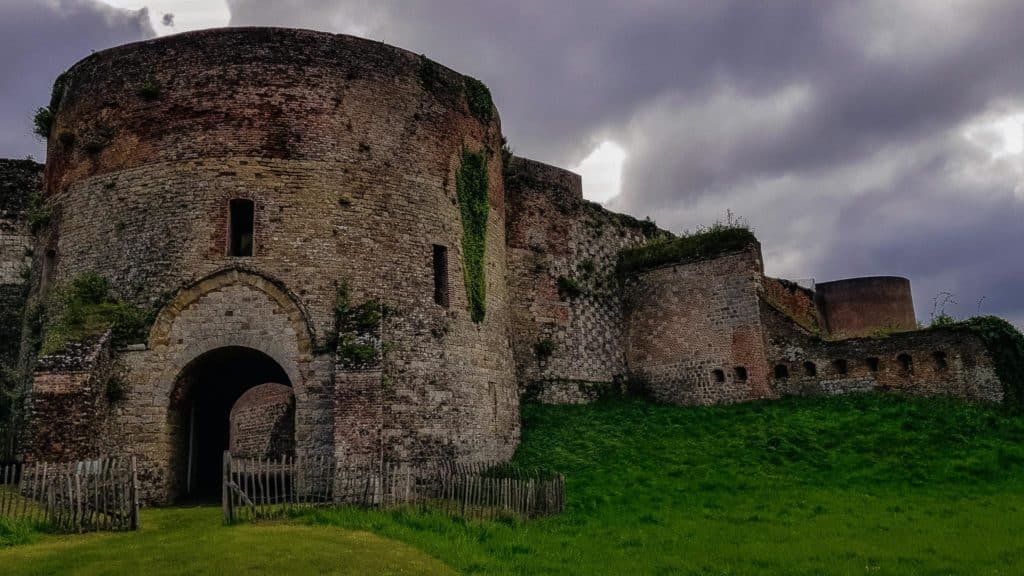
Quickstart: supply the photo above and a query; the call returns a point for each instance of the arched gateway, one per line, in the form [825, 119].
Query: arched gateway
[199, 414]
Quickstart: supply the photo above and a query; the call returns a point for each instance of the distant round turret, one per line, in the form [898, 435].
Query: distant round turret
[861, 306]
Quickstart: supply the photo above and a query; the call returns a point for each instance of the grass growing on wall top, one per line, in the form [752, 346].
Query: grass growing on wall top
[86, 308]
[1006, 346]
[474, 207]
[720, 238]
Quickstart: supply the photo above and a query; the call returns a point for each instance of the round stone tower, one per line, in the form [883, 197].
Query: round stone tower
[862, 306]
[321, 211]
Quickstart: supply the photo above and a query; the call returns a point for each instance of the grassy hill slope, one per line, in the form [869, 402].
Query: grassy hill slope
[857, 485]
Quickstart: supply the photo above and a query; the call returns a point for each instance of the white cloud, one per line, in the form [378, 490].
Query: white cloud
[188, 14]
[602, 172]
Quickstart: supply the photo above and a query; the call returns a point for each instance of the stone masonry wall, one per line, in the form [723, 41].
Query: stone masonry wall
[349, 149]
[67, 410]
[561, 257]
[694, 333]
[933, 362]
[19, 181]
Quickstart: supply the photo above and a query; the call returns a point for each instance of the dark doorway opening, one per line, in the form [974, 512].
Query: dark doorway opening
[200, 415]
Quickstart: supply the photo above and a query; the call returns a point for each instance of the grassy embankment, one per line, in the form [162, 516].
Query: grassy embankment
[857, 485]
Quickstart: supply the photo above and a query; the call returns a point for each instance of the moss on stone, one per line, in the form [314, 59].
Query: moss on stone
[1005, 344]
[85, 308]
[474, 206]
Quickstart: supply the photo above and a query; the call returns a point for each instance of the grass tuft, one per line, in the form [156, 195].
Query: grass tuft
[706, 243]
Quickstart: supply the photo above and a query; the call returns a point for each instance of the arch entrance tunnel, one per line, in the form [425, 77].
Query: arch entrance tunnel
[230, 398]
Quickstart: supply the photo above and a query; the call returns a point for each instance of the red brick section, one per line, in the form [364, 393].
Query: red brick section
[862, 306]
[794, 301]
[687, 321]
[262, 422]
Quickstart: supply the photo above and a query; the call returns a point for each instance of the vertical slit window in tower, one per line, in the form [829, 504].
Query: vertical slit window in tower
[240, 227]
[441, 275]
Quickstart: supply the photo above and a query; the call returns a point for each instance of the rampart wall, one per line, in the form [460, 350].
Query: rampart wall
[567, 324]
[694, 333]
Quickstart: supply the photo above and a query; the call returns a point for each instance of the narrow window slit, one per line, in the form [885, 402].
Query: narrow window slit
[240, 227]
[441, 275]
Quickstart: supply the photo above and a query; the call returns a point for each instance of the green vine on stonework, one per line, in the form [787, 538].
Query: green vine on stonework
[1005, 344]
[357, 331]
[474, 206]
[85, 308]
[478, 96]
[43, 119]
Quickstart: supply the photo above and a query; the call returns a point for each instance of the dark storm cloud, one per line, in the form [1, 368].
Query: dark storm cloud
[836, 128]
[41, 38]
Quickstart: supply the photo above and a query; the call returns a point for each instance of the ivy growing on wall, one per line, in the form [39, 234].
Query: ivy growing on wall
[43, 119]
[474, 206]
[478, 96]
[357, 330]
[86, 308]
[1006, 346]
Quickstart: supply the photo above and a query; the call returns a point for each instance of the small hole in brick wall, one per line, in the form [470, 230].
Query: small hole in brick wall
[810, 369]
[441, 275]
[873, 364]
[940, 360]
[906, 362]
[839, 366]
[741, 373]
[781, 371]
[718, 375]
[240, 227]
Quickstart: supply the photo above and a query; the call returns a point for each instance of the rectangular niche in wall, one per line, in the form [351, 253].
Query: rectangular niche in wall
[441, 275]
[240, 227]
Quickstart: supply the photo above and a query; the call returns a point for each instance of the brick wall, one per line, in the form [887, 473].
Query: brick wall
[690, 327]
[554, 237]
[68, 407]
[263, 422]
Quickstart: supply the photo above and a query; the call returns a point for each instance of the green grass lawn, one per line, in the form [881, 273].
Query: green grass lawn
[854, 485]
[193, 541]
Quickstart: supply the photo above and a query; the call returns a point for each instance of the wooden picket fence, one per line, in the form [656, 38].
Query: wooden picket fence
[268, 488]
[85, 496]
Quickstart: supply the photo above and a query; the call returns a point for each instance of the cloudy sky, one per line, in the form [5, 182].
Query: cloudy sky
[858, 137]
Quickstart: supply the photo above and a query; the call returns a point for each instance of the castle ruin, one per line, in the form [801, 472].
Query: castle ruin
[293, 241]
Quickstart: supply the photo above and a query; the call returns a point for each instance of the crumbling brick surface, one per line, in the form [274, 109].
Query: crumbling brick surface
[555, 237]
[694, 332]
[933, 362]
[349, 150]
